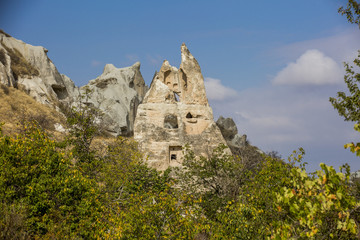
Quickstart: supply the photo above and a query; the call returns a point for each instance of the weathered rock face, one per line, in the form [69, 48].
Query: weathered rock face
[117, 92]
[175, 112]
[29, 68]
[229, 131]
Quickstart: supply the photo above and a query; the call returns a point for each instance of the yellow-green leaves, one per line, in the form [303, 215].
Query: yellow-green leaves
[319, 205]
[354, 147]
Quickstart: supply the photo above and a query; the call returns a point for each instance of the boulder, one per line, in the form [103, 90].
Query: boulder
[229, 131]
[227, 126]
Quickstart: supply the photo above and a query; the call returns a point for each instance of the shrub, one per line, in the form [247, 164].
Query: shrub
[12, 221]
[58, 198]
[216, 179]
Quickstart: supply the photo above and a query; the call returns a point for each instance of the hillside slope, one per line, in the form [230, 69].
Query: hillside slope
[16, 107]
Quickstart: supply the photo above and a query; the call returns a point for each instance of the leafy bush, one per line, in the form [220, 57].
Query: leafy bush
[46, 194]
[57, 198]
[216, 180]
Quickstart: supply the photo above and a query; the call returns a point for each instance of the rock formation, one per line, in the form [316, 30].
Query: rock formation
[117, 92]
[175, 112]
[28, 68]
[229, 131]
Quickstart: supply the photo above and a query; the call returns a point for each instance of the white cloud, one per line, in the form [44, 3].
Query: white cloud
[311, 68]
[285, 118]
[341, 46]
[216, 91]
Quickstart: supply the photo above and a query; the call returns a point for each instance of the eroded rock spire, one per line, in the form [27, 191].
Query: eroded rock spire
[187, 82]
[175, 112]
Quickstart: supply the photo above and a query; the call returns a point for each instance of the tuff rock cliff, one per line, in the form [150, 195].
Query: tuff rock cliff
[175, 112]
[117, 92]
[28, 68]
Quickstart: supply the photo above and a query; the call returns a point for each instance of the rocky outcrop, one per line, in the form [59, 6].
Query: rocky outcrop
[187, 91]
[117, 92]
[175, 112]
[229, 131]
[28, 68]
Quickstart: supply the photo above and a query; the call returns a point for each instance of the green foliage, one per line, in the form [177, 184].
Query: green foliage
[216, 180]
[354, 147]
[56, 197]
[348, 106]
[45, 194]
[52, 190]
[352, 12]
[123, 173]
[12, 223]
[83, 127]
[167, 214]
[255, 213]
[283, 202]
[318, 206]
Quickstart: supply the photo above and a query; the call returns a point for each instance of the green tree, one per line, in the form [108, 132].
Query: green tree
[216, 179]
[83, 124]
[352, 11]
[348, 106]
[318, 206]
[168, 214]
[39, 182]
[282, 201]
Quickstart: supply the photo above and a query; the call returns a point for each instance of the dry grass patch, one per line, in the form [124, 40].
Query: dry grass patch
[17, 107]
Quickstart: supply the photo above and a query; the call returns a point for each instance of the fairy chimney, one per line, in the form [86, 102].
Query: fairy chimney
[175, 112]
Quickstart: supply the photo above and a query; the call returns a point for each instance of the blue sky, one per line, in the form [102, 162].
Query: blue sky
[270, 65]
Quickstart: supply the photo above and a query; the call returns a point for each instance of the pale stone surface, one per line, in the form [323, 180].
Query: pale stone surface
[6, 75]
[188, 91]
[72, 90]
[47, 86]
[117, 92]
[194, 88]
[58, 127]
[175, 112]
